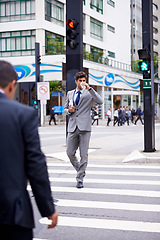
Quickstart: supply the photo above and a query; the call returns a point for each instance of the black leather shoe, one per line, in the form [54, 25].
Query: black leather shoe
[79, 185]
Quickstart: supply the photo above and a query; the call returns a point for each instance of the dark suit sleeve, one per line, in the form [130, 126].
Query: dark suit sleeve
[36, 165]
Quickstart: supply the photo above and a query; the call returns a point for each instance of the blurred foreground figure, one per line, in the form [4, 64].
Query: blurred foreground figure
[21, 159]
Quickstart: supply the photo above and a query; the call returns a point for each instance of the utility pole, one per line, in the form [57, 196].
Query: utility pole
[148, 75]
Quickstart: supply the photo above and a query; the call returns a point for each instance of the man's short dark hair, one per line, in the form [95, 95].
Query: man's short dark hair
[80, 75]
[7, 74]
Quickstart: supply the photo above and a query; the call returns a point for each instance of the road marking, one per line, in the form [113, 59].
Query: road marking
[109, 224]
[49, 164]
[63, 155]
[39, 239]
[106, 191]
[108, 181]
[117, 173]
[108, 205]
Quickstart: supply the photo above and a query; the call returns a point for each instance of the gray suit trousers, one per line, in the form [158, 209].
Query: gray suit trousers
[74, 140]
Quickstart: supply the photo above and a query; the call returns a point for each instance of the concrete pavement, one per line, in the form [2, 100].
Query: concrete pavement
[109, 149]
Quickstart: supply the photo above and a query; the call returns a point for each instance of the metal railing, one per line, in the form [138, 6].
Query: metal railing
[61, 49]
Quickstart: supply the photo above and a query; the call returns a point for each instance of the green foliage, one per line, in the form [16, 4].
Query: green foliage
[54, 46]
[134, 66]
[55, 86]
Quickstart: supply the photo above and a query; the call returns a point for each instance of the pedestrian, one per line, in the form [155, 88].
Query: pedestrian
[120, 116]
[21, 160]
[79, 124]
[127, 115]
[133, 115]
[115, 116]
[95, 115]
[124, 115]
[139, 114]
[108, 114]
[52, 116]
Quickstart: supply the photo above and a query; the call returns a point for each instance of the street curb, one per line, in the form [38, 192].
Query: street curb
[137, 157]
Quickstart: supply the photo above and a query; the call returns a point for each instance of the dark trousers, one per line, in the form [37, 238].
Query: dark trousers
[109, 120]
[94, 121]
[127, 119]
[120, 121]
[139, 118]
[115, 120]
[13, 232]
[52, 117]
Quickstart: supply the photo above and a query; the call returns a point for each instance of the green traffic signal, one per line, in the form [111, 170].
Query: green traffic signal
[143, 66]
[35, 104]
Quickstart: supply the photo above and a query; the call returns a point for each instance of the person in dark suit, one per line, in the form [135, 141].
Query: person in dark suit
[78, 107]
[21, 160]
[52, 116]
[139, 115]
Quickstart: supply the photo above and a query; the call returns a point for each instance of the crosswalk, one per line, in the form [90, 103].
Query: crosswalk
[123, 198]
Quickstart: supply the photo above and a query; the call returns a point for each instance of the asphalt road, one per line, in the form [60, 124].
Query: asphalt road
[119, 201]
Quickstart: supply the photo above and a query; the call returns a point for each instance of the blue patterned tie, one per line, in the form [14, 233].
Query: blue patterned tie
[78, 97]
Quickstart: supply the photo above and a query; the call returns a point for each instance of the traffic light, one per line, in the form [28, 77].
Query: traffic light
[35, 104]
[143, 65]
[39, 59]
[72, 33]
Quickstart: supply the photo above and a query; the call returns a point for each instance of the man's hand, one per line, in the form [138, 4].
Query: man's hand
[71, 109]
[85, 85]
[54, 218]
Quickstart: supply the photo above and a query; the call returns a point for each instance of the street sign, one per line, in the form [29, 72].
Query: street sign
[43, 91]
[146, 83]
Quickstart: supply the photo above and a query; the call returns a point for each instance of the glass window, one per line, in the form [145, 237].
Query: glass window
[84, 26]
[54, 11]
[111, 3]
[17, 43]
[110, 28]
[96, 29]
[111, 54]
[54, 44]
[17, 10]
[97, 5]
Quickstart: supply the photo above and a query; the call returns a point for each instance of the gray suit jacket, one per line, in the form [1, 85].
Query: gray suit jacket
[81, 118]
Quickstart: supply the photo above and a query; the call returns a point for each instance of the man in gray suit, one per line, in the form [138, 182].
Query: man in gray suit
[78, 106]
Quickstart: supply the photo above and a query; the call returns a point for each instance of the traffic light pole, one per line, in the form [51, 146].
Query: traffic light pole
[74, 53]
[148, 93]
[74, 43]
[37, 75]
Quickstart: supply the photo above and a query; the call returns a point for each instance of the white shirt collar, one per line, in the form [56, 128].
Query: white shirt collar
[80, 90]
[1, 91]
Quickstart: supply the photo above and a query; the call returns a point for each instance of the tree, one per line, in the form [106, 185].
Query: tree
[56, 86]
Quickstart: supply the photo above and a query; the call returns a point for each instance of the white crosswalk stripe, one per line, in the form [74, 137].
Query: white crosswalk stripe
[121, 173]
[108, 181]
[105, 191]
[113, 183]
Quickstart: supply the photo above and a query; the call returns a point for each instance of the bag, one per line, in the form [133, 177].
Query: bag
[106, 114]
[95, 117]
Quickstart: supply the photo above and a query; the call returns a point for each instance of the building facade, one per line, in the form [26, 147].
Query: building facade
[136, 40]
[106, 47]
